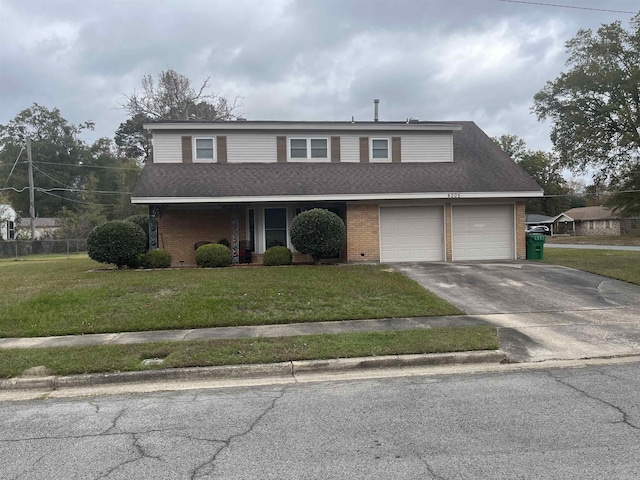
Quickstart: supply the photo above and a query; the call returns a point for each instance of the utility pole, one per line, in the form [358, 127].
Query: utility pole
[32, 202]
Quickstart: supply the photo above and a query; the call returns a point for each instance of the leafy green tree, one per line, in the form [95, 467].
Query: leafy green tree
[79, 223]
[55, 146]
[513, 145]
[107, 171]
[171, 97]
[133, 140]
[625, 195]
[545, 170]
[595, 106]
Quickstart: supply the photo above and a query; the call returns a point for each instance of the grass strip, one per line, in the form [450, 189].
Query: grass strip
[618, 264]
[201, 353]
[61, 296]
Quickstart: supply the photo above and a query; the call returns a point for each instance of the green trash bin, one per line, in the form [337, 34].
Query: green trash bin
[535, 247]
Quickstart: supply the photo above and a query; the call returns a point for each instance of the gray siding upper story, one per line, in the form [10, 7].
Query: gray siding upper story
[247, 146]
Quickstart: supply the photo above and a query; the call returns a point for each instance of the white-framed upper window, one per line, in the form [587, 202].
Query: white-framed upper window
[204, 149]
[307, 148]
[379, 150]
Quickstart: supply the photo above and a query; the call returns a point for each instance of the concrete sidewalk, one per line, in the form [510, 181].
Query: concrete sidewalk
[284, 330]
[283, 371]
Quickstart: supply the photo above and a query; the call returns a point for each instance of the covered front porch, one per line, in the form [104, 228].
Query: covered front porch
[248, 229]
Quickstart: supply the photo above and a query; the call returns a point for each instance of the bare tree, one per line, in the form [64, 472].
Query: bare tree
[170, 97]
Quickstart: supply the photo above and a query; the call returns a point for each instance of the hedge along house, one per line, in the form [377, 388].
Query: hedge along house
[407, 191]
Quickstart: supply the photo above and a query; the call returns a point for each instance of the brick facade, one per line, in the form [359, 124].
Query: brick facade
[598, 227]
[448, 243]
[363, 233]
[179, 230]
[630, 226]
[521, 245]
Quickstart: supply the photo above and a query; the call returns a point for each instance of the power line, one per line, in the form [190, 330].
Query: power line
[84, 165]
[80, 190]
[51, 178]
[565, 6]
[14, 166]
[56, 189]
[78, 201]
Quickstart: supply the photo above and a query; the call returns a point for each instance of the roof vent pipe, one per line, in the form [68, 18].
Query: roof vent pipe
[376, 101]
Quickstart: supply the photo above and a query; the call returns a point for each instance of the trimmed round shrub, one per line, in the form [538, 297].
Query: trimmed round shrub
[156, 259]
[143, 222]
[213, 255]
[118, 242]
[277, 256]
[318, 232]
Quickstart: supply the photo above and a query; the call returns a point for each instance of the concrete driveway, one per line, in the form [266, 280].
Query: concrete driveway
[542, 312]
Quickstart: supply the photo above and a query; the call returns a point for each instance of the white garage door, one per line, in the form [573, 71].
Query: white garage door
[483, 232]
[411, 234]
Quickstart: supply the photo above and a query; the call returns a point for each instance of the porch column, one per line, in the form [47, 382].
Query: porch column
[153, 227]
[235, 236]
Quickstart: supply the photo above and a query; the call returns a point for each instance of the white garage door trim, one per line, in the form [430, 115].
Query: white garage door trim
[483, 232]
[412, 234]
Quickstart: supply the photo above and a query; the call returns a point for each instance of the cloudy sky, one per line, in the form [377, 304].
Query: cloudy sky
[480, 60]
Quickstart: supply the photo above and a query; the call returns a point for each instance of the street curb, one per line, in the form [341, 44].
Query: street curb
[229, 372]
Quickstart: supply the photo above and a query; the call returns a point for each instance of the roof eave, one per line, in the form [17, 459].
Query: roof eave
[335, 197]
[304, 126]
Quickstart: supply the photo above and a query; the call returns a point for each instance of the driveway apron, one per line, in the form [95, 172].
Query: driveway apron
[542, 312]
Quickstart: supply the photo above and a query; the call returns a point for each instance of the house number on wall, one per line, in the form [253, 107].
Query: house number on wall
[453, 195]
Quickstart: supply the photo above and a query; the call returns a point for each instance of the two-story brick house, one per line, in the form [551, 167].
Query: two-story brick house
[407, 191]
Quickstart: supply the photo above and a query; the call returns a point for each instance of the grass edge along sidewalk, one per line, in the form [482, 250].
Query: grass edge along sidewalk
[65, 297]
[259, 350]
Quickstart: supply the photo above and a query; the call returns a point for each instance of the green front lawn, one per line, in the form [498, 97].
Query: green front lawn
[631, 240]
[617, 264]
[121, 358]
[60, 296]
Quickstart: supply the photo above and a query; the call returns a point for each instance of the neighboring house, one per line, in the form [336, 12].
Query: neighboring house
[7, 223]
[45, 227]
[407, 191]
[601, 220]
[557, 225]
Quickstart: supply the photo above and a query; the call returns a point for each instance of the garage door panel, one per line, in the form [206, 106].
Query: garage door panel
[411, 234]
[483, 232]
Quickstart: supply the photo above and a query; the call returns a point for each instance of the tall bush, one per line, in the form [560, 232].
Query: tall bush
[143, 222]
[118, 242]
[213, 255]
[318, 232]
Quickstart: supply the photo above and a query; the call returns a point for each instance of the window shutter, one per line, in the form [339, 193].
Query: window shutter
[396, 150]
[364, 149]
[281, 146]
[335, 149]
[187, 153]
[221, 149]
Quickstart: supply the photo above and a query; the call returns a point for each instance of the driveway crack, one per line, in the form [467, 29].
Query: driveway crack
[625, 415]
[195, 473]
[430, 470]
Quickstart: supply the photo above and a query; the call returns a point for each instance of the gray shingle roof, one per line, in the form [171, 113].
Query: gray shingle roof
[479, 166]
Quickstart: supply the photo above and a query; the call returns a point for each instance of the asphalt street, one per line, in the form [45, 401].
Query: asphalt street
[542, 424]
